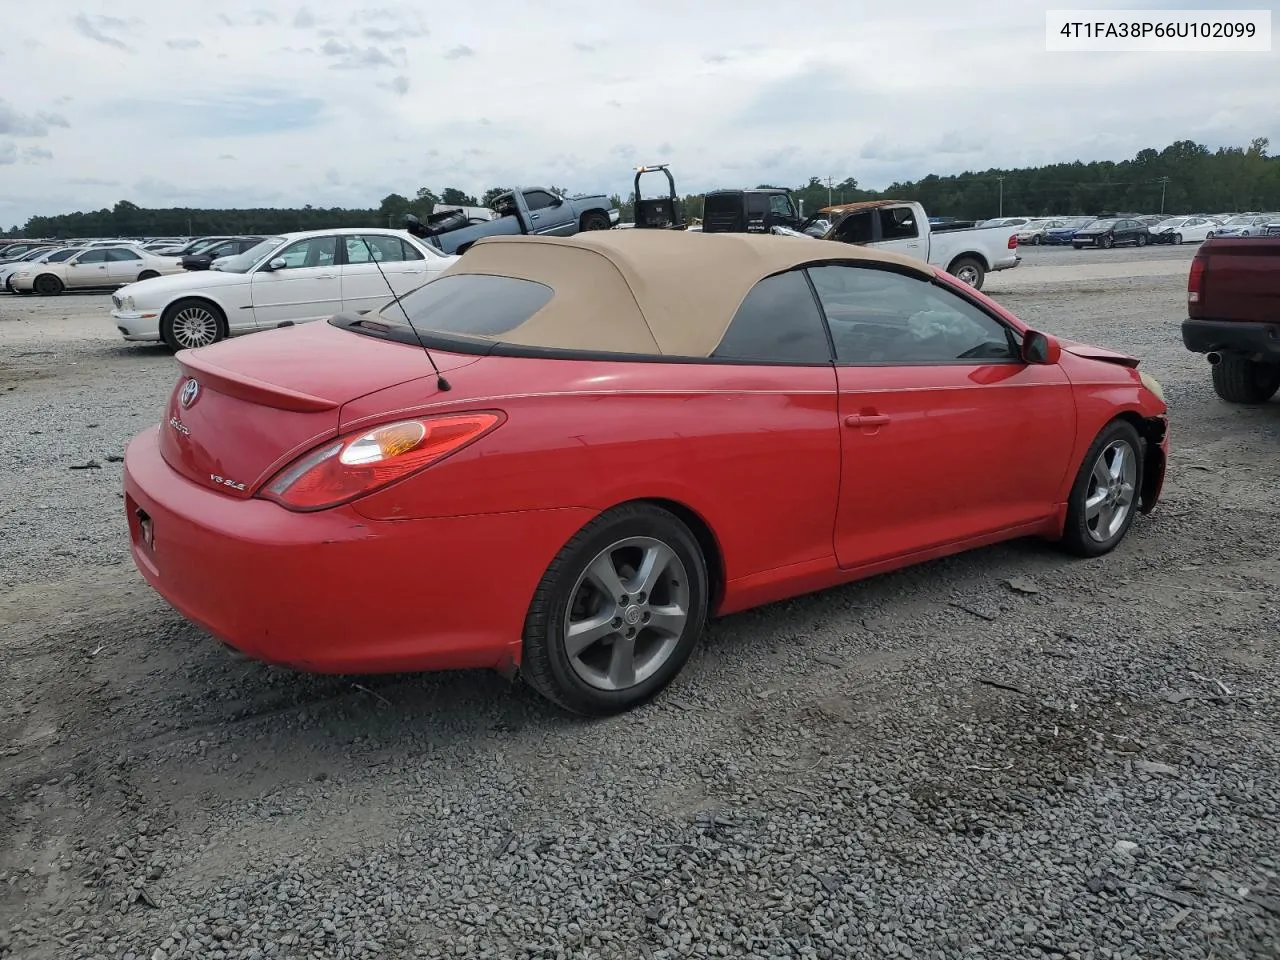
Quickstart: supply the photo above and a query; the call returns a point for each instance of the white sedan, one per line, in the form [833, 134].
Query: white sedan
[92, 269]
[293, 277]
[1183, 230]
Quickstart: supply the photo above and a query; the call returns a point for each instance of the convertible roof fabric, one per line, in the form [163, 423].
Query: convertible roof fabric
[655, 292]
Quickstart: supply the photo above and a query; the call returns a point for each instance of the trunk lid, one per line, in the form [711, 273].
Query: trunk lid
[260, 401]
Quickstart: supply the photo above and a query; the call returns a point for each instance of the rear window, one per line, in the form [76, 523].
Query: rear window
[471, 304]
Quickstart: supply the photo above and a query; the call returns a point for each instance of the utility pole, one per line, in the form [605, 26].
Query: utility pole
[828, 191]
[1164, 184]
[1001, 181]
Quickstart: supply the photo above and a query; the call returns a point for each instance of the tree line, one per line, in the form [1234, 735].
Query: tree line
[1184, 177]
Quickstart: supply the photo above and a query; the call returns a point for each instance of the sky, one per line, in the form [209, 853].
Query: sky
[244, 103]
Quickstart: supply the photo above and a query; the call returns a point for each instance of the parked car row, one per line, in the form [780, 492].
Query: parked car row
[1139, 230]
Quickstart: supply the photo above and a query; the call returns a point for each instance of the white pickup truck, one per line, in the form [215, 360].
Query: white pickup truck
[902, 226]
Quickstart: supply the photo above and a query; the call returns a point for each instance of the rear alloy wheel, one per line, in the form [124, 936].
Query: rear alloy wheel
[1238, 379]
[617, 613]
[47, 285]
[968, 270]
[190, 324]
[1142, 239]
[1104, 499]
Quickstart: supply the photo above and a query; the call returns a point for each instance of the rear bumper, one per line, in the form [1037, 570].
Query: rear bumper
[1006, 263]
[1260, 341]
[332, 591]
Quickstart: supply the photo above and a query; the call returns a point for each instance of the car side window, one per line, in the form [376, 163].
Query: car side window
[93, 256]
[780, 204]
[777, 322]
[898, 223]
[312, 252]
[757, 204]
[879, 317]
[855, 228]
[538, 199]
[409, 252]
[385, 249]
[119, 254]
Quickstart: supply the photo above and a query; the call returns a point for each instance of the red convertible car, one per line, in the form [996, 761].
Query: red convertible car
[563, 455]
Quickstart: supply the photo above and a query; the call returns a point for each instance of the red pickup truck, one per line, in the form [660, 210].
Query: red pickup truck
[1233, 315]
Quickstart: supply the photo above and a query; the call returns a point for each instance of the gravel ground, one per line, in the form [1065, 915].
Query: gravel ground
[929, 764]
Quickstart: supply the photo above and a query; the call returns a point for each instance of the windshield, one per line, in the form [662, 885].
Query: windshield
[244, 262]
[57, 256]
[1104, 224]
[1175, 222]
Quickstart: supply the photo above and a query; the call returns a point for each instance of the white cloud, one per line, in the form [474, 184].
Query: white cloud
[457, 95]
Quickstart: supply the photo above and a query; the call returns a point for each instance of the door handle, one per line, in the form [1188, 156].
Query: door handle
[326, 276]
[866, 420]
[534, 216]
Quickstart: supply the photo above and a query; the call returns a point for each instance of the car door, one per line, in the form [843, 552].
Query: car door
[770, 390]
[549, 213]
[88, 270]
[123, 265]
[300, 283]
[946, 433]
[900, 233]
[403, 268]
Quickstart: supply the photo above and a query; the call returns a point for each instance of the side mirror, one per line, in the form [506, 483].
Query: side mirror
[277, 263]
[557, 201]
[1040, 348]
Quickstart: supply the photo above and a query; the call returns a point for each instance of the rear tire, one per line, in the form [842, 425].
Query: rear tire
[968, 270]
[47, 285]
[1238, 379]
[1104, 498]
[192, 323]
[653, 630]
[595, 220]
[1142, 240]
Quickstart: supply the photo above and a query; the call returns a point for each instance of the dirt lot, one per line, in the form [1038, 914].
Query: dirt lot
[929, 764]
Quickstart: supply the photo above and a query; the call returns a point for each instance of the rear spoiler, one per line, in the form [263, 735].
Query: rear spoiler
[251, 389]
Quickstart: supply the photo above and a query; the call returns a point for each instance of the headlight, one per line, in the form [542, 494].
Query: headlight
[1152, 384]
[126, 303]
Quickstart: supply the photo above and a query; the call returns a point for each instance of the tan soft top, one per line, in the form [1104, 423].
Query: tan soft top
[665, 292]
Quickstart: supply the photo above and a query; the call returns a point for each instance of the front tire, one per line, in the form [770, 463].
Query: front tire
[1106, 243]
[190, 324]
[47, 285]
[147, 275]
[968, 270]
[595, 220]
[1104, 498]
[1177, 238]
[617, 613]
[1238, 379]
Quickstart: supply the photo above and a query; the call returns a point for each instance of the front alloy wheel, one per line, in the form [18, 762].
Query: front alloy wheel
[1104, 498]
[190, 324]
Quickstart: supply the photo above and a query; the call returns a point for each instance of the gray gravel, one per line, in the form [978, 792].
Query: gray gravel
[928, 764]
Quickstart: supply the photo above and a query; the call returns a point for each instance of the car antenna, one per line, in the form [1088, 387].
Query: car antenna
[441, 382]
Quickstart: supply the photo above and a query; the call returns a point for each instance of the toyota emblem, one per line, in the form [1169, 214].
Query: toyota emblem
[190, 390]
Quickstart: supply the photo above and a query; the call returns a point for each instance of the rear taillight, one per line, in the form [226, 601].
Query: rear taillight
[1195, 280]
[362, 463]
[1013, 242]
